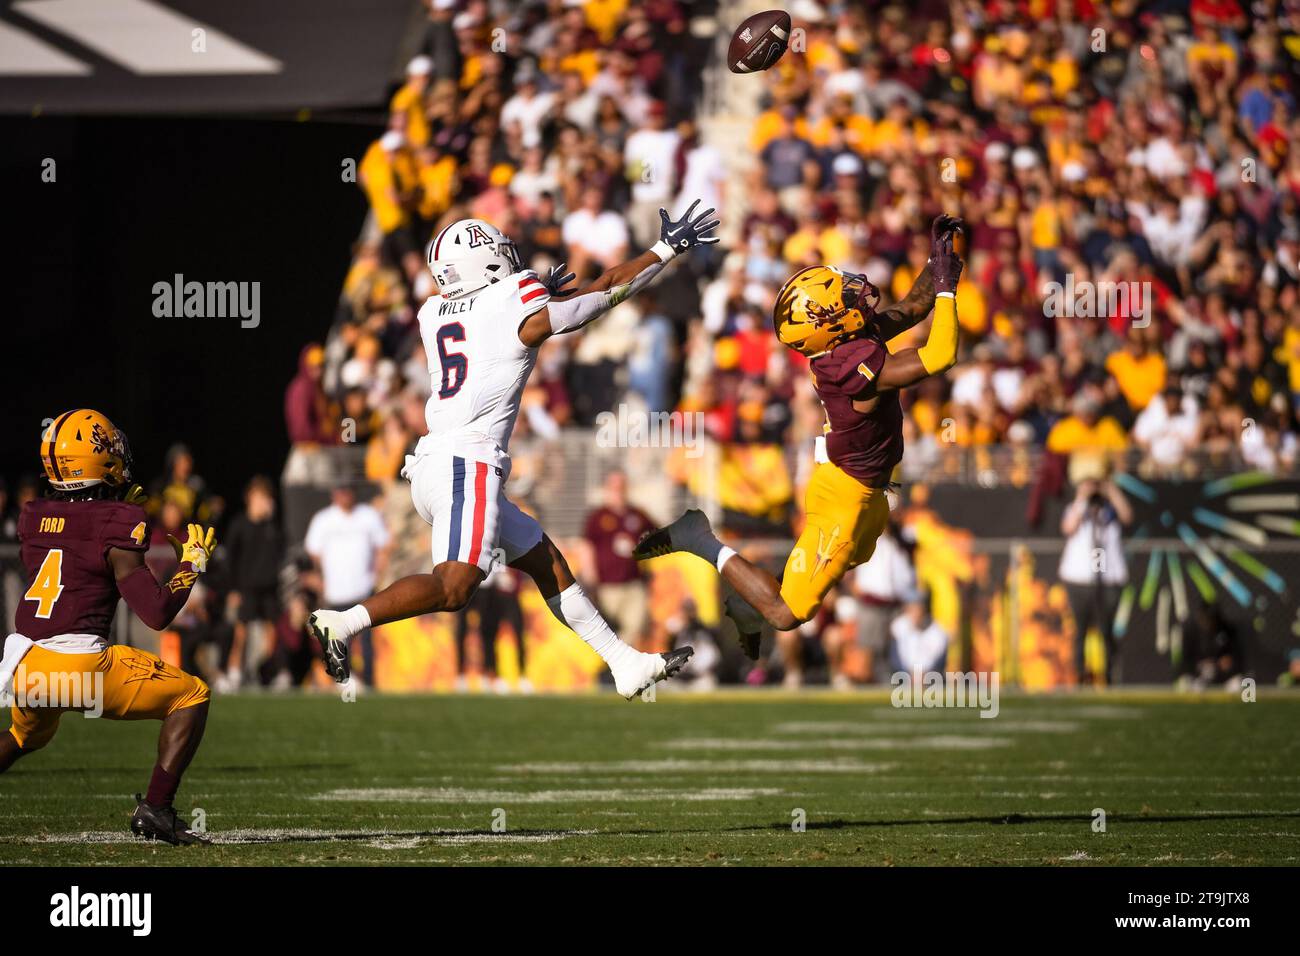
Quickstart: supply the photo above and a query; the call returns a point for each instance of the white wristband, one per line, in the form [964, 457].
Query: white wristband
[663, 251]
[951, 295]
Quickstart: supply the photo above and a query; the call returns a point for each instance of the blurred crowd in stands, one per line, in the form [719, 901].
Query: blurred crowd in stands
[1133, 261]
[1131, 295]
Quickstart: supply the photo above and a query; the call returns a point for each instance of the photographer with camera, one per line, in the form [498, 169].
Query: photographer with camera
[1092, 567]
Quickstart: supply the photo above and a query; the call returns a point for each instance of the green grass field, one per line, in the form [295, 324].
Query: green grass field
[691, 779]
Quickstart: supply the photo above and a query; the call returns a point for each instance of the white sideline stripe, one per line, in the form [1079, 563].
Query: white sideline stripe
[147, 38]
[462, 839]
[22, 54]
[837, 765]
[499, 797]
[997, 725]
[251, 835]
[451, 836]
[938, 742]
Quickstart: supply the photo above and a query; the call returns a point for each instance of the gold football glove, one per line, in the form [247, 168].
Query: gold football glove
[198, 547]
[135, 495]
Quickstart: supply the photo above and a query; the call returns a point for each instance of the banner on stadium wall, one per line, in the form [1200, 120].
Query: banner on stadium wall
[420, 654]
[198, 56]
[1231, 542]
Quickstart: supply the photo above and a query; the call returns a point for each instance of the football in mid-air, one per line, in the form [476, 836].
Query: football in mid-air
[759, 42]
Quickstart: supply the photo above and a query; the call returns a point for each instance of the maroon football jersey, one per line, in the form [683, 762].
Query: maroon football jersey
[864, 446]
[71, 588]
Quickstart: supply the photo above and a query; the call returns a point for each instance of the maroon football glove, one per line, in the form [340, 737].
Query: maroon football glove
[945, 265]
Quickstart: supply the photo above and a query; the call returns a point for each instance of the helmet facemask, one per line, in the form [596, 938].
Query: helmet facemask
[859, 293]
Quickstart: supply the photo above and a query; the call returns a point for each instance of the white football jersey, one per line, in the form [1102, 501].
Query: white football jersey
[478, 367]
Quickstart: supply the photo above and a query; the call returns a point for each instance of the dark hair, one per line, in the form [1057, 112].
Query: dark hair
[260, 483]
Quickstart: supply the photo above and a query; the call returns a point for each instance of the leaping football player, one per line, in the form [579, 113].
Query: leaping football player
[83, 547]
[830, 316]
[481, 334]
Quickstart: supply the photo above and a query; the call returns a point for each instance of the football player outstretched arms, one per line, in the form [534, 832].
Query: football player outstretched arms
[481, 334]
[827, 315]
[618, 283]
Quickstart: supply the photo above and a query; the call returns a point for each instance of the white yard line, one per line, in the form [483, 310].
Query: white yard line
[392, 839]
[949, 726]
[834, 765]
[938, 742]
[504, 797]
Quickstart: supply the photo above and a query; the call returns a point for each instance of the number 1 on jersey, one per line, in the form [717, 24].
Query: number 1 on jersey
[455, 365]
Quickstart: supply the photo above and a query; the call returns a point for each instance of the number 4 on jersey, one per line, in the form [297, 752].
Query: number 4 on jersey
[455, 365]
[48, 585]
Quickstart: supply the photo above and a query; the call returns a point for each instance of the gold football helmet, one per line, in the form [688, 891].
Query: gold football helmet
[82, 448]
[821, 307]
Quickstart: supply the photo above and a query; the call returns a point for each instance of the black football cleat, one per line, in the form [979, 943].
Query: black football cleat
[653, 544]
[163, 823]
[334, 650]
[676, 659]
[690, 533]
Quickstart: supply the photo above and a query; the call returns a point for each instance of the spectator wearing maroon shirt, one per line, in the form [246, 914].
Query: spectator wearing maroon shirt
[611, 532]
[308, 421]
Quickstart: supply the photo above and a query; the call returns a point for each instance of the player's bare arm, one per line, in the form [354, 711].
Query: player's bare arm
[619, 283]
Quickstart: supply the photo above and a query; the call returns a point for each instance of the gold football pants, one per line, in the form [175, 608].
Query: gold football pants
[844, 518]
[120, 683]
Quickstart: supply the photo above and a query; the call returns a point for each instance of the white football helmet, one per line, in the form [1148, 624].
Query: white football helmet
[470, 255]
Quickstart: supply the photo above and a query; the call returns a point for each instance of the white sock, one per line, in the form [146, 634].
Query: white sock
[355, 619]
[723, 555]
[574, 610]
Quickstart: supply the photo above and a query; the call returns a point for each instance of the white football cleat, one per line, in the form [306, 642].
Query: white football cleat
[646, 670]
[327, 626]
